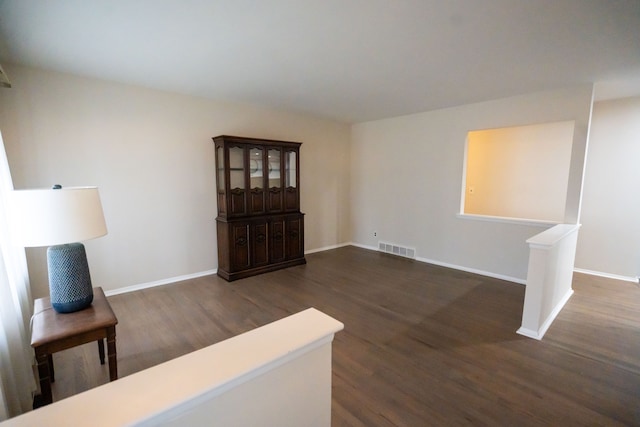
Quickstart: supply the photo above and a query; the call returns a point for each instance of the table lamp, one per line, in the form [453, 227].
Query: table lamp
[60, 218]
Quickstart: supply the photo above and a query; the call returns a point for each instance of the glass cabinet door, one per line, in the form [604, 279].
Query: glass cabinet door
[236, 168]
[257, 179]
[220, 167]
[291, 196]
[256, 168]
[237, 181]
[291, 169]
[274, 200]
[274, 169]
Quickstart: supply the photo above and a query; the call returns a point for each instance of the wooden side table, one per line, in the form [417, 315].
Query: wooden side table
[52, 332]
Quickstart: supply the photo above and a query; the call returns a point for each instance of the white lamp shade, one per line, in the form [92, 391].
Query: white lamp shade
[47, 217]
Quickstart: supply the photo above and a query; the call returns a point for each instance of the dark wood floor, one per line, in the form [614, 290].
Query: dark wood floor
[422, 345]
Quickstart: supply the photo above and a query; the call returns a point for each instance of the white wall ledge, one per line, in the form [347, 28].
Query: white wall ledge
[507, 220]
[552, 236]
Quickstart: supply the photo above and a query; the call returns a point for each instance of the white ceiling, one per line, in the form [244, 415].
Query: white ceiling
[348, 60]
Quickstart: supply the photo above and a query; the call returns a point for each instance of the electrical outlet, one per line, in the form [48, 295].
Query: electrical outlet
[375, 234]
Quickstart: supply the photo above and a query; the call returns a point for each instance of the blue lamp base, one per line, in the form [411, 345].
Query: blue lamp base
[69, 280]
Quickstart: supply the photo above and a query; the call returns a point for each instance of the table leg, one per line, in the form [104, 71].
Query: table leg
[101, 350]
[52, 373]
[45, 379]
[111, 349]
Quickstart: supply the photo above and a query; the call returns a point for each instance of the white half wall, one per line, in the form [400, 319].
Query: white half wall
[151, 155]
[549, 278]
[407, 178]
[275, 375]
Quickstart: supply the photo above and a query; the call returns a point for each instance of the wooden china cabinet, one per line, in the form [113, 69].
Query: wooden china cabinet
[259, 224]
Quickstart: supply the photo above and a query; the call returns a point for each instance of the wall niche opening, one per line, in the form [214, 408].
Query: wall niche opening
[518, 172]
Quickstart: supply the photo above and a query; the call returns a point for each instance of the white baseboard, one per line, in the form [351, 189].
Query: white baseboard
[531, 334]
[607, 275]
[528, 333]
[327, 248]
[158, 283]
[193, 276]
[454, 266]
[170, 280]
[474, 271]
[358, 245]
[547, 323]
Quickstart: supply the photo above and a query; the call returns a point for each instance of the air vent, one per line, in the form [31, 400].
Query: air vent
[392, 249]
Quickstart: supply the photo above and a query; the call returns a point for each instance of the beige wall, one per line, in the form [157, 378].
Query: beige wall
[407, 179]
[609, 240]
[519, 171]
[150, 153]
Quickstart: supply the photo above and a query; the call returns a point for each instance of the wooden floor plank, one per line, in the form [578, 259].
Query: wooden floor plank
[422, 345]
